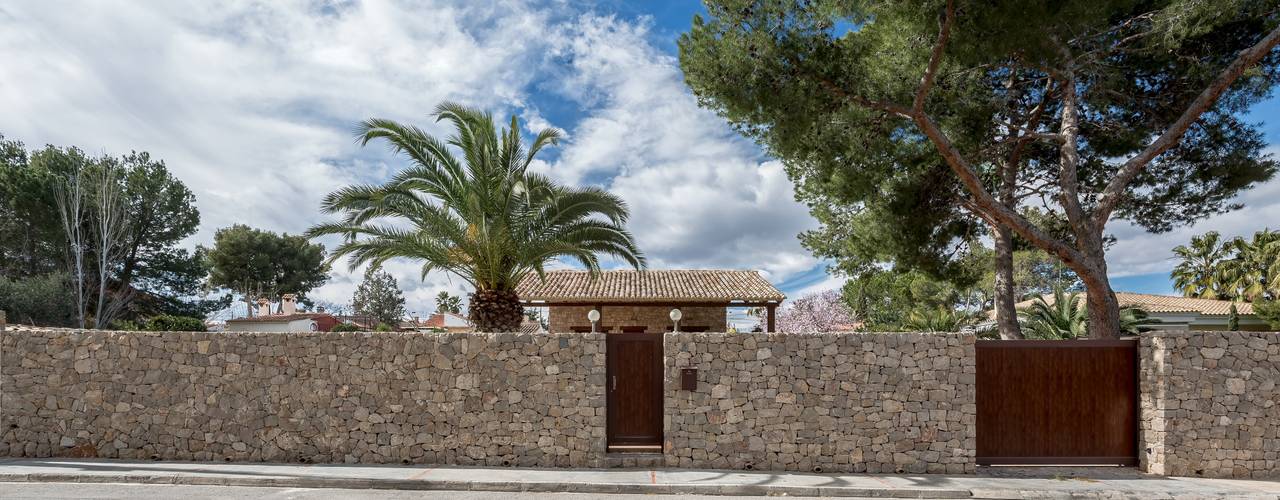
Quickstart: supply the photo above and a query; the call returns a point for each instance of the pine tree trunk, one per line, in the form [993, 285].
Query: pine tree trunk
[495, 311]
[1104, 309]
[1006, 313]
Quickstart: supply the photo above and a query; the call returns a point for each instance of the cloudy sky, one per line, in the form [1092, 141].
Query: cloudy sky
[252, 105]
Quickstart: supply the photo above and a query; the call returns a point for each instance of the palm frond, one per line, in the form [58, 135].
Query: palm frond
[478, 215]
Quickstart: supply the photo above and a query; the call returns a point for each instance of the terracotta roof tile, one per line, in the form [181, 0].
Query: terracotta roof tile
[708, 285]
[1167, 303]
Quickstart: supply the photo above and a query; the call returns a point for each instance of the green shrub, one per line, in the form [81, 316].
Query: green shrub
[38, 300]
[345, 327]
[125, 325]
[382, 327]
[1269, 311]
[167, 323]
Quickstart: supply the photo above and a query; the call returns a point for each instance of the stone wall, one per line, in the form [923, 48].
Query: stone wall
[471, 399]
[655, 319]
[839, 402]
[1210, 404]
[831, 402]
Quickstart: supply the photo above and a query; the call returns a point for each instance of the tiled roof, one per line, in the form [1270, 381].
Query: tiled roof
[441, 320]
[278, 318]
[527, 326]
[649, 286]
[1167, 304]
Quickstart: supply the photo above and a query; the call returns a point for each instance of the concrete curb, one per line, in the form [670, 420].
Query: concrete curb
[499, 486]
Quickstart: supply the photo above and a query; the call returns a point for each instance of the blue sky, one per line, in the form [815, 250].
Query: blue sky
[251, 103]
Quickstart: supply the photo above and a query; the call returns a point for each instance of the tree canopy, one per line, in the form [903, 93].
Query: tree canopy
[924, 117]
[153, 272]
[482, 216]
[379, 297]
[1238, 269]
[446, 302]
[255, 262]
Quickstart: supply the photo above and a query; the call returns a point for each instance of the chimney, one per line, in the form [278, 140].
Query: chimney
[288, 304]
[264, 306]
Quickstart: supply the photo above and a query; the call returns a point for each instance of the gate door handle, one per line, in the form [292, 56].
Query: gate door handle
[615, 382]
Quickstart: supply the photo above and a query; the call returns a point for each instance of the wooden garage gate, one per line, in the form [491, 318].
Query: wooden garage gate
[1067, 402]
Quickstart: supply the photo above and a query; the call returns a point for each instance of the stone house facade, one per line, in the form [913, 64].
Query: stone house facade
[642, 319]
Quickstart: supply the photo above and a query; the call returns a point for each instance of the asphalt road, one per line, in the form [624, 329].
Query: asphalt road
[46, 491]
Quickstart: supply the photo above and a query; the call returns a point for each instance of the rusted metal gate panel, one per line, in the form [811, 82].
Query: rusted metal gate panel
[1069, 402]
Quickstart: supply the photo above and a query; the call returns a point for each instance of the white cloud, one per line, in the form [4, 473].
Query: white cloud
[1138, 252]
[700, 195]
[252, 104]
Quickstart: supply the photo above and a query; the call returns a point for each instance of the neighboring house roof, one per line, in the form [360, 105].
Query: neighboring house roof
[1165, 304]
[360, 321]
[718, 285]
[280, 318]
[527, 326]
[446, 320]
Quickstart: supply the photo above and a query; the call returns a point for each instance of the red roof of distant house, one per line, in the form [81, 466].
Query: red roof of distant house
[438, 320]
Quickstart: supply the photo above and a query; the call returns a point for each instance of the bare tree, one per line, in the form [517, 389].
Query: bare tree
[92, 208]
[69, 196]
[110, 227]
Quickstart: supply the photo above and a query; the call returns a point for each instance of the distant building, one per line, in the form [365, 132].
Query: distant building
[359, 321]
[448, 322]
[641, 301]
[287, 320]
[531, 326]
[1180, 313]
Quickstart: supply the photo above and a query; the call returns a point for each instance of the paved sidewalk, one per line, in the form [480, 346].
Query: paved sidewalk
[989, 483]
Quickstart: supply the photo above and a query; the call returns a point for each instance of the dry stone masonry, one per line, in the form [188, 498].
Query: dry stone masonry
[801, 402]
[471, 399]
[1210, 404]
[654, 319]
[878, 403]
[839, 402]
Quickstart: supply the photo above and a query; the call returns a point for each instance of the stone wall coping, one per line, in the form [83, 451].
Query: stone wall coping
[776, 335]
[450, 335]
[1195, 333]
[599, 335]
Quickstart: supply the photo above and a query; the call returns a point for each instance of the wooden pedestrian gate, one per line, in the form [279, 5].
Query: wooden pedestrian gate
[634, 384]
[1065, 402]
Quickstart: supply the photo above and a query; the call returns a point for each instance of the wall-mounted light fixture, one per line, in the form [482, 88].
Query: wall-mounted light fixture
[594, 318]
[675, 317]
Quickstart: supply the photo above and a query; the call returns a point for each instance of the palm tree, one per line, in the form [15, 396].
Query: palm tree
[1254, 274]
[446, 302]
[1203, 267]
[940, 319]
[1067, 318]
[482, 216]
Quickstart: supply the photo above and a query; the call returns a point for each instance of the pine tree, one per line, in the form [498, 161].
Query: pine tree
[379, 296]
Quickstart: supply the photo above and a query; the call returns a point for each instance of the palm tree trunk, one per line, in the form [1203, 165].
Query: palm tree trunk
[495, 311]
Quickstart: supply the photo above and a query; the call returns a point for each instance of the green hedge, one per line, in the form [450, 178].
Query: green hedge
[162, 323]
[167, 323]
